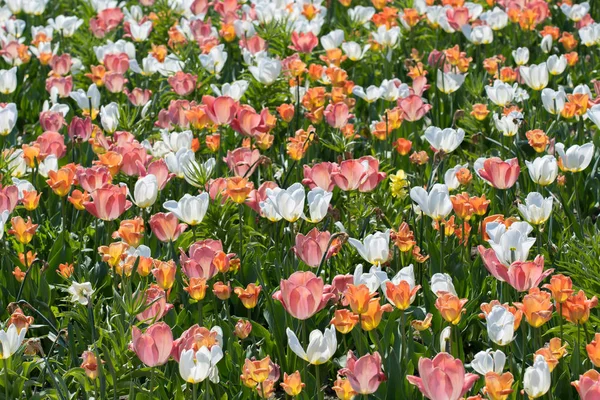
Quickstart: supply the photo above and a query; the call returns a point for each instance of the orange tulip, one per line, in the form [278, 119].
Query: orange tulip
[222, 291]
[537, 307]
[358, 298]
[23, 231]
[65, 270]
[498, 387]
[593, 350]
[248, 296]
[576, 308]
[451, 307]
[164, 273]
[552, 352]
[238, 189]
[422, 325]
[400, 295]
[131, 231]
[480, 111]
[77, 198]
[114, 253]
[561, 287]
[462, 205]
[242, 329]
[111, 160]
[343, 389]
[60, 181]
[196, 288]
[344, 321]
[372, 317]
[90, 364]
[292, 384]
[19, 320]
[30, 199]
[18, 274]
[255, 372]
[404, 238]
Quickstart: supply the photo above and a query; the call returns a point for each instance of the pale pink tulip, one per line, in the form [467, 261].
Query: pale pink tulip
[320, 176]
[310, 248]
[108, 203]
[154, 346]
[337, 115]
[413, 108]
[304, 42]
[220, 110]
[9, 197]
[166, 227]
[199, 263]
[364, 374]
[156, 303]
[242, 161]
[501, 174]
[182, 83]
[303, 294]
[258, 195]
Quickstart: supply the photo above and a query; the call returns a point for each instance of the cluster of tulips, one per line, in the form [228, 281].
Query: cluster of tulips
[238, 199]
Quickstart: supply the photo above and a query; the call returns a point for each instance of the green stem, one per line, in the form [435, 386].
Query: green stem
[560, 319]
[442, 237]
[194, 391]
[318, 383]
[7, 383]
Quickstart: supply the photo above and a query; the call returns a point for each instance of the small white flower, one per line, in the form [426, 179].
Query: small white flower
[80, 292]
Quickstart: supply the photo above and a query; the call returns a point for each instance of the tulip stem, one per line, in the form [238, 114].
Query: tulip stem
[151, 388]
[403, 336]
[442, 237]
[194, 391]
[7, 383]
[318, 383]
[241, 237]
[560, 319]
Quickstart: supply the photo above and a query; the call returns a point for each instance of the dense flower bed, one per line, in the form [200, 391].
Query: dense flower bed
[255, 198]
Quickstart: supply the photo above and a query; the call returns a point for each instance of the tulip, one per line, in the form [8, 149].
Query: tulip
[371, 318]
[401, 291]
[358, 297]
[450, 307]
[556, 64]
[80, 292]
[196, 366]
[344, 321]
[588, 385]
[145, 191]
[543, 170]
[319, 176]
[89, 364]
[448, 82]
[266, 71]
[318, 204]
[23, 231]
[536, 209]
[364, 374]
[593, 350]
[249, 295]
[287, 203]
[362, 174]
[521, 275]
[498, 386]
[311, 248]
[60, 181]
[303, 295]
[242, 161]
[442, 283]
[11, 339]
[521, 55]
[255, 372]
[510, 244]
[342, 387]
[446, 140]
[372, 280]
[165, 227]
[189, 209]
[321, 348]
[535, 76]
[154, 346]
[537, 379]
[509, 124]
[576, 158]
[442, 378]
[500, 326]
[537, 307]
[489, 361]
[594, 114]
[337, 115]
[108, 203]
[500, 174]
[575, 12]
[8, 80]
[372, 94]
[8, 118]
[576, 308]
[435, 204]
[109, 117]
[501, 93]
[292, 384]
[554, 101]
[374, 248]
[214, 61]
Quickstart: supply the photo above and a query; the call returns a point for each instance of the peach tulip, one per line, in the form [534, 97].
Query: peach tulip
[154, 346]
[108, 203]
[200, 262]
[443, 378]
[593, 350]
[413, 108]
[304, 42]
[242, 161]
[303, 294]
[221, 110]
[156, 302]
[320, 175]
[166, 227]
[537, 307]
[576, 308]
[588, 385]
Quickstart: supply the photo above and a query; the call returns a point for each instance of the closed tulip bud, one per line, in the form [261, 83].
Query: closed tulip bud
[196, 288]
[222, 291]
[90, 364]
[364, 374]
[536, 209]
[537, 379]
[153, 347]
[292, 384]
[242, 329]
[31, 199]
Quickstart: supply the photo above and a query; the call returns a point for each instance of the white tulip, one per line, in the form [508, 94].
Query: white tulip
[8, 118]
[543, 170]
[375, 248]
[594, 114]
[354, 51]
[575, 12]
[373, 93]
[8, 80]
[536, 209]
[497, 19]
[501, 93]
[373, 279]
[509, 124]
[80, 292]
[3, 218]
[318, 204]
[446, 339]
[177, 140]
[140, 32]
[195, 368]
[489, 361]
[66, 25]
[215, 60]
[321, 347]
[189, 209]
[145, 191]
[446, 140]
[442, 283]
[89, 101]
[11, 340]
[500, 325]
[576, 158]
[450, 178]
[510, 244]
[22, 186]
[521, 55]
[554, 100]
[333, 39]
[481, 34]
[535, 76]
[177, 162]
[546, 44]
[537, 379]
[556, 64]
[361, 15]
[267, 71]
[449, 82]
[590, 34]
[235, 89]
[289, 203]
[109, 117]
[386, 37]
[268, 209]
[435, 204]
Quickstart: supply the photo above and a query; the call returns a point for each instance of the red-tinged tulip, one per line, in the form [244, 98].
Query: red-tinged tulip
[364, 374]
[349, 175]
[344, 320]
[200, 262]
[303, 294]
[242, 329]
[588, 385]
[60, 181]
[23, 231]
[249, 295]
[195, 338]
[311, 248]
[337, 115]
[247, 122]
[9, 197]
[53, 143]
[242, 161]
[320, 175]
[108, 203]
[52, 120]
[166, 227]
[443, 378]
[500, 174]
[521, 275]
[413, 108]
[156, 302]
[118, 63]
[182, 83]
[138, 97]
[561, 287]
[537, 307]
[164, 273]
[154, 346]
[220, 110]
[304, 42]
[576, 308]
[90, 364]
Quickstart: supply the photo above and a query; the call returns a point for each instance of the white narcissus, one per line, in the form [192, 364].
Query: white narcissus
[436, 204]
[189, 209]
[489, 361]
[446, 140]
[576, 158]
[500, 326]
[543, 170]
[289, 203]
[195, 367]
[146, 191]
[375, 248]
[537, 379]
[536, 209]
[11, 340]
[321, 346]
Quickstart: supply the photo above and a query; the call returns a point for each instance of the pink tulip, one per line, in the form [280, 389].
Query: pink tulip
[93, 178]
[80, 130]
[63, 85]
[220, 110]
[118, 63]
[337, 115]
[51, 143]
[339, 284]
[521, 275]
[156, 303]
[372, 175]
[194, 338]
[364, 374]
[413, 108]
[258, 195]
[9, 197]
[247, 122]
[199, 263]
[442, 378]
[588, 385]
[349, 174]
[159, 169]
[217, 187]
[304, 42]
[61, 65]
[457, 17]
[310, 248]
[303, 294]
[154, 346]
[182, 83]
[133, 154]
[177, 113]
[320, 176]
[138, 97]
[108, 203]
[242, 161]
[114, 82]
[419, 86]
[166, 227]
[501, 174]
[52, 120]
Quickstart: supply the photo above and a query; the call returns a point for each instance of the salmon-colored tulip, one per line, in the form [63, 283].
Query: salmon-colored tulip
[242, 161]
[320, 175]
[220, 110]
[588, 385]
[561, 287]
[593, 350]
[221, 290]
[89, 364]
[164, 273]
[400, 295]
[312, 247]
[501, 174]
[576, 308]
[9, 197]
[200, 262]
[154, 346]
[166, 227]
[537, 307]
[60, 181]
[108, 203]
[156, 303]
[344, 321]
[451, 307]
[303, 294]
[249, 295]
[23, 231]
[93, 178]
[242, 329]
[413, 108]
[292, 384]
[498, 386]
[130, 231]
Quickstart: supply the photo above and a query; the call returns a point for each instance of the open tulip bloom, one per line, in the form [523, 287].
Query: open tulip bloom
[238, 199]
